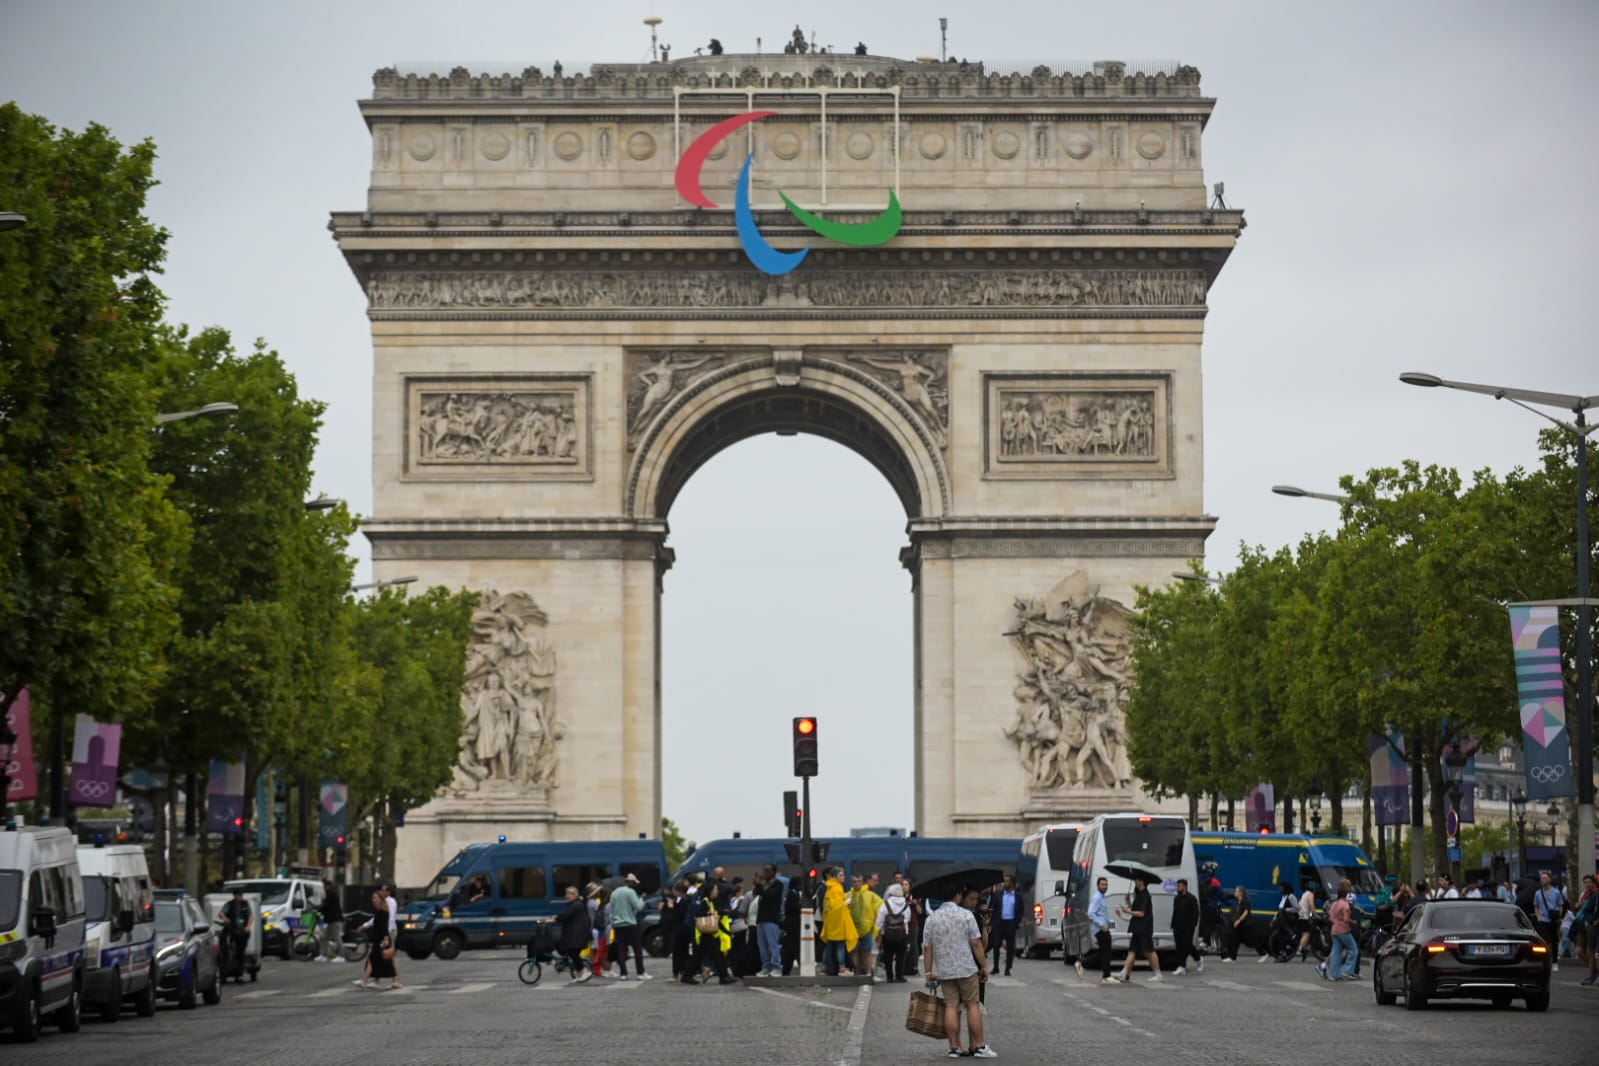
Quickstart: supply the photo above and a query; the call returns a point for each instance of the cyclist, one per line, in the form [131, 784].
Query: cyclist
[1212, 898]
[1284, 925]
[237, 918]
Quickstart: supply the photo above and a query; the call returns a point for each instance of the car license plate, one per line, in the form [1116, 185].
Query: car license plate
[1488, 949]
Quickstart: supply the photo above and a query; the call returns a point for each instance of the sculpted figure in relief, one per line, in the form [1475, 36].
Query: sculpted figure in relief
[1070, 727]
[510, 733]
[916, 382]
[653, 386]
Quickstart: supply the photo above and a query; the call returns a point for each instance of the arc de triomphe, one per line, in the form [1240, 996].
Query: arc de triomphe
[560, 339]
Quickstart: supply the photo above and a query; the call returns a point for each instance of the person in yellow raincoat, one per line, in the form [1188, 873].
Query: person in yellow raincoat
[710, 911]
[838, 927]
[863, 906]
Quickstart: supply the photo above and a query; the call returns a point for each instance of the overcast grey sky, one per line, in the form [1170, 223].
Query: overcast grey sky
[1418, 181]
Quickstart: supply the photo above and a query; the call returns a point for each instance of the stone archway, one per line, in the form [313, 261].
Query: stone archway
[560, 341]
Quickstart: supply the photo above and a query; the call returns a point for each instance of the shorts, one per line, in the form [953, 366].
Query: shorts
[1141, 943]
[961, 989]
[866, 943]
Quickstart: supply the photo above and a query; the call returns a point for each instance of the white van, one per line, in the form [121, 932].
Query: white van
[41, 931]
[1045, 874]
[1160, 842]
[284, 900]
[119, 941]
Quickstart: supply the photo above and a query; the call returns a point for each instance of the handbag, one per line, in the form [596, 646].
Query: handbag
[925, 1015]
[706, 923]
[388, 952]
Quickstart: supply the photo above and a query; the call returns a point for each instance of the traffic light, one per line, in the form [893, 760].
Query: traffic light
[805, 764]
[792, 822]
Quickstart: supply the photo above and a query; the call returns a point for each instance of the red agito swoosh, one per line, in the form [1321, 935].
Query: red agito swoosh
[688, 167]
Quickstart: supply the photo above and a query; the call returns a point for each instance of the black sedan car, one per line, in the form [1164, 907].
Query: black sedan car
[1464, 949]
[187, 950]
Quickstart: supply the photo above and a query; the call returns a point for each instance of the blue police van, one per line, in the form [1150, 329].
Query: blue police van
[494, 894]
[916, 857]
[1261, 862]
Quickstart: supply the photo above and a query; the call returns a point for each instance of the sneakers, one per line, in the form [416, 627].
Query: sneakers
[1264, 958]
[1078, 966]
[728, 981]
[1228, 958]
[1179, 971]
[646, 977]
[1587, 982]
[320, 958]
[1321, 968]
[337, 958]
[1121, 978]
[360, 984]
[954, 1053]
[1199, 967]
[1109, 981]
[621, 977]
[984, 1052]
[1156, 977]
[584, 976]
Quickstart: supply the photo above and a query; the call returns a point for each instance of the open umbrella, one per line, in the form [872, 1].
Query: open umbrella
[945, 881]
[1133, 871]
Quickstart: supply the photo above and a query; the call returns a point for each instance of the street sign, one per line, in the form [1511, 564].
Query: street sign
[1452, 823]
[1455, 855]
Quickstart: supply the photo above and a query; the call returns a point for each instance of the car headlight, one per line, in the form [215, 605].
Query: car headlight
[169, 951]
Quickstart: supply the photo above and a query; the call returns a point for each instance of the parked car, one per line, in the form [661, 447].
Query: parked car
[1464, 949]
[283, 901]
[119, 944]
[41, 932]
[187, 950]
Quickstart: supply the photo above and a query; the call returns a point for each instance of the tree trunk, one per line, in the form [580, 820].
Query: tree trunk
[1230, 814]
[1214, 802]
[1435, 809]
[1193, 810]
[1336, 794]
[385, 826]
[1365, 822]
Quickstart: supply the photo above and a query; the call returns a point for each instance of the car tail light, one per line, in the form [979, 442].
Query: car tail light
[1437, 947]
[1038, 914]
[1540, 949]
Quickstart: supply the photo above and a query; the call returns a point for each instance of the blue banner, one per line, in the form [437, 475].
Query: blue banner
[1541, 688]
[263, 810]
[1390, 779]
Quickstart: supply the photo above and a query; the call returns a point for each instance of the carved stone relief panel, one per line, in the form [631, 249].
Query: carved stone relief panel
[920, 377]
[559, 291]
[1077, 425]
[499, 427]
[510, 734]
[1070, 729]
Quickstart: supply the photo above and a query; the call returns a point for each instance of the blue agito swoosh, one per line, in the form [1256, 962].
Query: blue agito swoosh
[761, 253]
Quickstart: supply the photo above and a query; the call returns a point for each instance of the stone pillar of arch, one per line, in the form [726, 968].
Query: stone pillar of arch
[559, 342]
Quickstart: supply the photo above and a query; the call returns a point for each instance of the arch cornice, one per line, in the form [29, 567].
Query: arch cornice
[779, 375]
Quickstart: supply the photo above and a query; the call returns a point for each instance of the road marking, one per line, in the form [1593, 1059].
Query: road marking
[1007, 982]
[1230, 986]
[1105, 1013]
[803, 999]
[469, 989]
[260, 993]
[336, 991]
[851, 1055]
[1300, 986]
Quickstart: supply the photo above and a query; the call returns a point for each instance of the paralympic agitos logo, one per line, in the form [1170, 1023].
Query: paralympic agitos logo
[760, 252]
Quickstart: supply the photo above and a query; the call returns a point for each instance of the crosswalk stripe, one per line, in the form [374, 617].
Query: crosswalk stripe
[1302, 985]
[468, 989]
[260, 993]
[338, 990]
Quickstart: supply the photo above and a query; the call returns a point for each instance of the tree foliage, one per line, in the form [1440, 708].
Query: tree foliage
[88, 541]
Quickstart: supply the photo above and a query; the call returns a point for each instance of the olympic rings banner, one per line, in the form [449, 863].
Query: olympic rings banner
[96, 747]
[766, 258]
[21, 781]
[1541, 688]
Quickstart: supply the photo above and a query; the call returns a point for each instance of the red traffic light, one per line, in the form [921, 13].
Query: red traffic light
[238, 823]
[341, 840]
[805, 726]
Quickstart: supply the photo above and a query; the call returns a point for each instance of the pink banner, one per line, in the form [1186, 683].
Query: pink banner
[22, 782]
[96, 747]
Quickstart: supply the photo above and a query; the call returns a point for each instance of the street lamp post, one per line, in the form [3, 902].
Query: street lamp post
[1554, 823]
[1455, 771]
[11, 220]
[384, 584]
[210, 410]
[1579, 429]
[1315, 792]
[1518, 811]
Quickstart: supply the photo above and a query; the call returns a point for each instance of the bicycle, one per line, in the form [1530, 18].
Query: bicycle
[305, 943]
[541, 951]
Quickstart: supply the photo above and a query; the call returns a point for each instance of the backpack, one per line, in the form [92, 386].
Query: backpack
[894, 926]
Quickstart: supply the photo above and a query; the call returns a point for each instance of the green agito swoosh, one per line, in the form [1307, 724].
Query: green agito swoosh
[878, 230]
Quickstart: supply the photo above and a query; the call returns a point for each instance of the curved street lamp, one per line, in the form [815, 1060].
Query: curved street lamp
[384, 584]
[210, 410]
[1297, 492]
[1580, 429]
[12, 220]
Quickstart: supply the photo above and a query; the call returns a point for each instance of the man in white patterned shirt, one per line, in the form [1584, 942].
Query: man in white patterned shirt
[953, 955]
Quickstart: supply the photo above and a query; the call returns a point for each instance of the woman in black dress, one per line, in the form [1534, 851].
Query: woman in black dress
[575, 934]
[380, 935]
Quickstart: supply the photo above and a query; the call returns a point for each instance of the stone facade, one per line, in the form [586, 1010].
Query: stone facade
[560, 341]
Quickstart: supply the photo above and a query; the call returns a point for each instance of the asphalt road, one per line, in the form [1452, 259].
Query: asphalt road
[474, 1011]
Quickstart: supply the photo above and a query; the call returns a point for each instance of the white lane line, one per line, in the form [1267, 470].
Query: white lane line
[335, 991]
[1230, 986]
[804, 1000]
[1007, 982]
[469, 989]
[1300, 986]
[851, 1055]
[259, 993]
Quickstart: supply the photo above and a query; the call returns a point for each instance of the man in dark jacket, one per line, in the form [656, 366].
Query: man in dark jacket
[1184, 922]
[769, 921]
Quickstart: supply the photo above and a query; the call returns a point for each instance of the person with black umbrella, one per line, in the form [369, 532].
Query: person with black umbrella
[1140, 915]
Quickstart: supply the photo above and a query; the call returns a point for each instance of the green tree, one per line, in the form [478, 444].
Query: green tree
[676, 846]
[399, 731]
[88, 543]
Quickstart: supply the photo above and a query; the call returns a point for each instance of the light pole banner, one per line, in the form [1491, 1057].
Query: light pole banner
[21, 781]
[1390, 779]
[224, 799]
[1260, 811]
[335, 813]
[1541, 688]
[96, 747]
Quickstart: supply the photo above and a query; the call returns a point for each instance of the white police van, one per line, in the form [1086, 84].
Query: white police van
[119, 940]
[41, 931]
